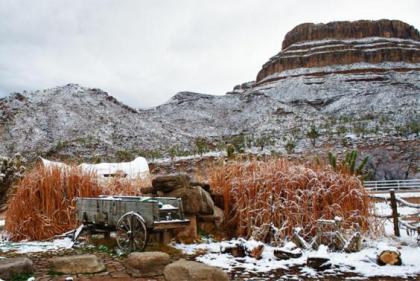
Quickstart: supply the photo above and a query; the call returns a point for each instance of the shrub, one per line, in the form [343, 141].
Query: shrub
[290, 146]
[313, 134]
[230, 151]
[44, 203]
[283, 195]
[11, 170]
[201, 145]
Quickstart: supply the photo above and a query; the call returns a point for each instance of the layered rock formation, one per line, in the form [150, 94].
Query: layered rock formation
[340, 43]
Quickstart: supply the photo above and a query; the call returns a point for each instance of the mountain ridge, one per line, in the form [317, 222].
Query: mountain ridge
[370, 100]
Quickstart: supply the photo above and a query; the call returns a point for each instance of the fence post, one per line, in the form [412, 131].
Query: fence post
[394, 213]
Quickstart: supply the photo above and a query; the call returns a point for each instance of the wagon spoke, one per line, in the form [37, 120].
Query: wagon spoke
[131, 232]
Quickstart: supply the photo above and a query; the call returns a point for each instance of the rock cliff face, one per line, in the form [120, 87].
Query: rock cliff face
[339, 43]
[343, 82]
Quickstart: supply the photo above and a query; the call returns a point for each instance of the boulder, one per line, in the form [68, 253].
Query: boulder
[183, 270]
[76, 264]
[171, 182]
[195, 200]
[285, 254]
[11, 267]
[211, 223]
[318, 263]
[188, 234]
[148, 190]
[204, 185]
[147, 264]
[238, 251]
[390, 257]
[218, 200]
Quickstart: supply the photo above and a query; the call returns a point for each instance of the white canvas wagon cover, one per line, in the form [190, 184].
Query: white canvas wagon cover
[136, 168]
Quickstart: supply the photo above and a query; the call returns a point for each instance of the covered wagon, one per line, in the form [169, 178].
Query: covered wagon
[131, 218]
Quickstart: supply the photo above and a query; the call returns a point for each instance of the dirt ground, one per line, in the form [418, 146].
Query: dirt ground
[116, 269]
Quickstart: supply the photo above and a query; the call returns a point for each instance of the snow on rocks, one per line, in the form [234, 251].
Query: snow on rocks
[362, 263]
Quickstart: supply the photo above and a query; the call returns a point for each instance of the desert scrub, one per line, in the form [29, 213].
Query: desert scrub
[285, 195]
[44, 203]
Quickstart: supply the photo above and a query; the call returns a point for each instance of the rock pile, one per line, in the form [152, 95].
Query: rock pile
[197, 201]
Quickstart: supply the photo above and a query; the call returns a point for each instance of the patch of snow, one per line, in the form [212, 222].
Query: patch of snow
[339, 67]
[35, 246]
[166, 207]
[384, 209]
[190, 157]
[354, 41]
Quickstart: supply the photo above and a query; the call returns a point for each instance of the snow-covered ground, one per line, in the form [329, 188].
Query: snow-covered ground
[362, 263]
[35, 246]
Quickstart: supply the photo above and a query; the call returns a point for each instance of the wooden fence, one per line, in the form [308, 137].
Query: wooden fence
[386, 185]
[394, 201]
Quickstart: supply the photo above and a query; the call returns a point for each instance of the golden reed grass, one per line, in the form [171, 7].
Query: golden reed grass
[284, 195]
[44, 201]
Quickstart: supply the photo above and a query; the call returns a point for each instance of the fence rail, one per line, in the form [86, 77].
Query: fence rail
[386, 185]
[398, 220]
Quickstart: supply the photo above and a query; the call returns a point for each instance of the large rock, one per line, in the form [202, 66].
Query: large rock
[171, 182]
[195, 200]
[188, 234]
[76, 264]
[338, 43]
[183, 270]
[14, 266]
[319, 263]
[211, 223]
[147, 264]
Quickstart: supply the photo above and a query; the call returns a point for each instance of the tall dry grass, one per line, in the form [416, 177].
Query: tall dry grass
[44, 201]
[276, 192]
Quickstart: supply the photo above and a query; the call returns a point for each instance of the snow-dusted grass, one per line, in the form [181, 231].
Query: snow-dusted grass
[285, 195]
[44, 204]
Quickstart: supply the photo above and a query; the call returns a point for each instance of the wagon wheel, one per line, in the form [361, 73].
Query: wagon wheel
[131, 232]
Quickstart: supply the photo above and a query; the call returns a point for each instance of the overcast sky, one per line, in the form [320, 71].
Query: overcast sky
[143, 52]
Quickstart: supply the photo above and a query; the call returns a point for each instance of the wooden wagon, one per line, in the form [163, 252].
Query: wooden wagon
[132, 218]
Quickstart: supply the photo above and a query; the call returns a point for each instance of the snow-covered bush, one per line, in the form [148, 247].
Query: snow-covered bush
[11, 169]
[283, 195]
[44, 205]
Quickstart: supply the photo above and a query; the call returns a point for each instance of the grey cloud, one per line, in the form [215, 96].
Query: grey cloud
[143, 52]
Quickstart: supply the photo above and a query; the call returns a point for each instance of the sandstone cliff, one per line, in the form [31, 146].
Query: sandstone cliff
[339, 43]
